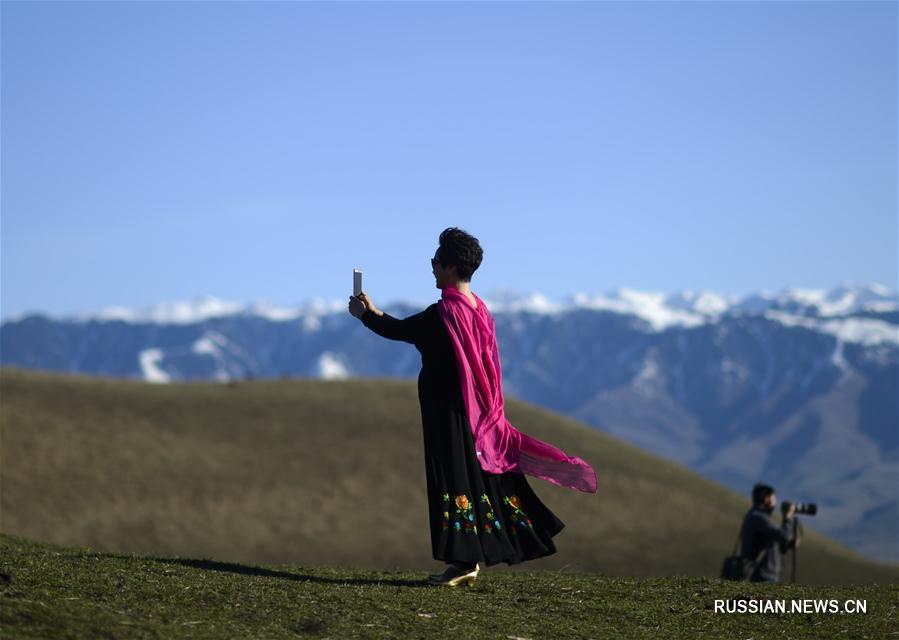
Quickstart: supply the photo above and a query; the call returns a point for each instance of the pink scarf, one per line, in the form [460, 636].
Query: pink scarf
[500, 446]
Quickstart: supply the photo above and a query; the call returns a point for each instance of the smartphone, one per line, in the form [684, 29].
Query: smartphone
[357, 281]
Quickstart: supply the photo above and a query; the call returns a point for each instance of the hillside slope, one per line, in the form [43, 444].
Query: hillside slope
[330, 472]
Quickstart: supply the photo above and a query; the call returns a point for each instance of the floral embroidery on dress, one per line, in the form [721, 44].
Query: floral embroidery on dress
[518, 516]
[458, 514]
[492, 521]
[462, 518]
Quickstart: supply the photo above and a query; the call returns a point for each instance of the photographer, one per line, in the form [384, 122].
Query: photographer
[759, 532]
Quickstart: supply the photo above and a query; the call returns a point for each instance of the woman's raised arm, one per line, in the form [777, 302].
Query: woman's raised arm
[408, 329]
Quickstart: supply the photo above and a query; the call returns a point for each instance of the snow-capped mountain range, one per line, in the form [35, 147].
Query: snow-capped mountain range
[683, 308]
[798, 388]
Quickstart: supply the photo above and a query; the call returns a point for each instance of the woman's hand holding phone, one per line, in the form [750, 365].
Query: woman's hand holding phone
[358, 305]
[369, 304]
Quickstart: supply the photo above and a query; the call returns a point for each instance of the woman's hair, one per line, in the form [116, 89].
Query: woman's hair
[461, 249]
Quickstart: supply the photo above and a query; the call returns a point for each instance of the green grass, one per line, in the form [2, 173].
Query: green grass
[329, 472]
[59, 592]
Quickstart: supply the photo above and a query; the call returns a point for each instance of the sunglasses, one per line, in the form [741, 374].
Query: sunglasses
[434, 262]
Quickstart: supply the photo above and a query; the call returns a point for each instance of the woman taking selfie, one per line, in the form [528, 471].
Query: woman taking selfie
[481, 507]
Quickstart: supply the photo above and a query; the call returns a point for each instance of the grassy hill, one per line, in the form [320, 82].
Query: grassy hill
[322, 472]
[50, 592]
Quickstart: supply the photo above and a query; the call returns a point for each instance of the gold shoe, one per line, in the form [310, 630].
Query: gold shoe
[453, 577]
[439, 576]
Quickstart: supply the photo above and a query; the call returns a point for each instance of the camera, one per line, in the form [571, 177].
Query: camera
[808, 508]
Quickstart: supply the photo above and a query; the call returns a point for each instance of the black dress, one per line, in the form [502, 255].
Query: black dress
[475, 516]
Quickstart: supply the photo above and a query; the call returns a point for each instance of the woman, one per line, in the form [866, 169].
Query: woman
[481, 507]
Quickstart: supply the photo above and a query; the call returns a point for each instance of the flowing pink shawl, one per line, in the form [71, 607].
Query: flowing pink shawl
[500, 446]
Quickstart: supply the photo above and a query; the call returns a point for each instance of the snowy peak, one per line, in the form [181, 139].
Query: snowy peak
[704, 302]
[848, 297]
[202, 308]
[180, 312]
[510, 301]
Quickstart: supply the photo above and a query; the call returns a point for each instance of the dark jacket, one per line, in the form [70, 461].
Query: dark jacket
[759, 532]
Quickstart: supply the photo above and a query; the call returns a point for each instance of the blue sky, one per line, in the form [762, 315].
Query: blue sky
[259, 151]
